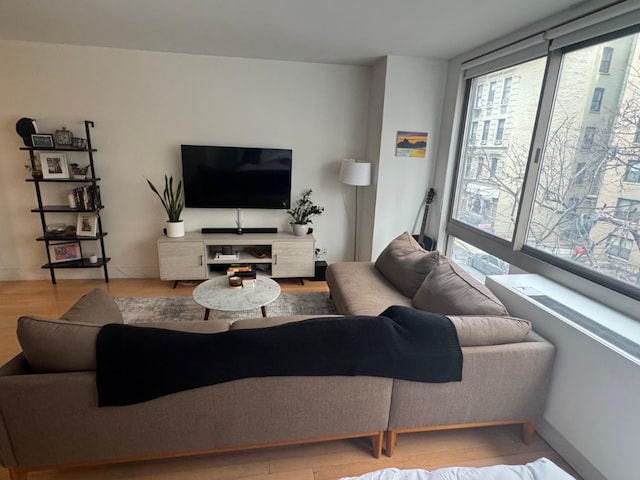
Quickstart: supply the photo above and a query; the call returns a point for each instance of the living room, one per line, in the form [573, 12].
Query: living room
[146, 102]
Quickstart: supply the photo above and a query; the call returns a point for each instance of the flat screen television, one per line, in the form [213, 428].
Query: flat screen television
[236, 177]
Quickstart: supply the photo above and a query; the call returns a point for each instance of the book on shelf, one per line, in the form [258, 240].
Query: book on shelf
[88, 198]
[239, 269]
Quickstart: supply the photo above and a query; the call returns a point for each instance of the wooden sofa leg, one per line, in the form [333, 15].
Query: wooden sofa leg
[15, 474]
[376, 441]
[528, 431]
[390, 443]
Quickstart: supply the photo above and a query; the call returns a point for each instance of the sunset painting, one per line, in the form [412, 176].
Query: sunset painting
[411, 144]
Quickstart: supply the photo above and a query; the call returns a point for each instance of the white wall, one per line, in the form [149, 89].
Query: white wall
[591, 416]
[413, 92]
[144, 105]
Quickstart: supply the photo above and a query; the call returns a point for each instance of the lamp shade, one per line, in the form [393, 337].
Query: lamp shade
[355, 173]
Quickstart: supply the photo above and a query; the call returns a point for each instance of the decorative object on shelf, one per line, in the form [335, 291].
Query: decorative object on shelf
[64, 137]
[42, 140]
[302, 213]
[358, 174]
[87, 225]
[36, 169]
[93, 258]
[60, 230]
[77, 172]
[25, 127]
[65, 252]
[173, 205]
[79, 143]
[54, 165]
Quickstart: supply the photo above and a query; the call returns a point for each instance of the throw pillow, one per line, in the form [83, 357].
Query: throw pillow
[96, 308]
[450, 290]
[405, 264]
[55, 346]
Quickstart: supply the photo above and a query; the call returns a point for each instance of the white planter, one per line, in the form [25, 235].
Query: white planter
[175, 229]
[300, 230]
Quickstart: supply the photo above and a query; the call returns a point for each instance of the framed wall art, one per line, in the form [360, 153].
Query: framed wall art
[411, 144]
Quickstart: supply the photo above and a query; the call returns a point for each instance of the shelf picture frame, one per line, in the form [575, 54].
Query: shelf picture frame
[54, 165]
[42, 140]
[65, 252]
[87, 225]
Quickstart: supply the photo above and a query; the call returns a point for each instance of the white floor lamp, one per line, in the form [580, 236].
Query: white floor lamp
[358, 174]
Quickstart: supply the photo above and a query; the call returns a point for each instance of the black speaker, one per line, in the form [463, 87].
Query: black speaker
[321, 269]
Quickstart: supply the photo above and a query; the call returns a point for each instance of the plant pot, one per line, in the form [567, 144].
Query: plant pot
[300, 230]
[175, 229]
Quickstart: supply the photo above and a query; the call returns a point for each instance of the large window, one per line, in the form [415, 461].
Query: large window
[565, 191]
[489, 202]
[570, 212]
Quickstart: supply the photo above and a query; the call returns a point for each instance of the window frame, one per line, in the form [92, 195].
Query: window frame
[609, 291]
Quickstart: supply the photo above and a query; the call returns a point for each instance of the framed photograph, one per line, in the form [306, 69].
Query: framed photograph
[65, 252]
[42, 140]
[87, 225]
[54, 165]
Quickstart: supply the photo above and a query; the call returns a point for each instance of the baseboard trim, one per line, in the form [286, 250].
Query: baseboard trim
[568, 452]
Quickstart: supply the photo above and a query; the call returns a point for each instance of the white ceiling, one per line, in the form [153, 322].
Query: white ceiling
[326, 31]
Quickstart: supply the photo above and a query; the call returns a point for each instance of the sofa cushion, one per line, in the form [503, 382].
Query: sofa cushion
[450, 290]
[64, 346]
[96, 307]
[405, 264]
[359, 288]
[473, 330]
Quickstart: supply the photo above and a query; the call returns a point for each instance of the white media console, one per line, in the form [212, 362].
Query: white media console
[193, 257]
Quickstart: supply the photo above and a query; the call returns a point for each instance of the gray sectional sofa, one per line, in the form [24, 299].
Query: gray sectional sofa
[507, 366]
[50, 418]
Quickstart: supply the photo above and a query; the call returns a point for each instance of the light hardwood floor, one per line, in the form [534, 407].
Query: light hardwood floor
[318, 461]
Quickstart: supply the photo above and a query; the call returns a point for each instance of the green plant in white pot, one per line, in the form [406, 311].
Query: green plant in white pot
[302, 212]
[173, 204]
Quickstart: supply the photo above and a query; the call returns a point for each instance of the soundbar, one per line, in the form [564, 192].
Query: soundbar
[239, 230]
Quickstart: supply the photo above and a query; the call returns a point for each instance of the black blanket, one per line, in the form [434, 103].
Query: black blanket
[136, 364]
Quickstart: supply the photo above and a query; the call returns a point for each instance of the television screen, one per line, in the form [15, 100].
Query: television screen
[236, 177]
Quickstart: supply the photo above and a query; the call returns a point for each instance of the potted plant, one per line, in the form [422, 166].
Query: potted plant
[302, 213]
[173, 204]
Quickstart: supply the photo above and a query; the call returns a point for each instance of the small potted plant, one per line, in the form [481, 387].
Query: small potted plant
[302, 213]
[173, 204]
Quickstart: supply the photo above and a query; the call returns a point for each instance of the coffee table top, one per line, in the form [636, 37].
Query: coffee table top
[215, 294]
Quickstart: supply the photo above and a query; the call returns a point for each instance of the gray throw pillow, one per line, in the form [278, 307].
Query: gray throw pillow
[96, 308]
[58, 346]
[450, 290]
[405, 264]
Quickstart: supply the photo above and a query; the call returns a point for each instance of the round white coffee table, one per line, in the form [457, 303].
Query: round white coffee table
[215, 294]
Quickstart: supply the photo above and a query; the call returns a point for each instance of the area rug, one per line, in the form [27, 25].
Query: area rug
[154, 309]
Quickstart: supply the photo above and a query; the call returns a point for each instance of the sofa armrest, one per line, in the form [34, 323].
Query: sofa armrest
[499, 383]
